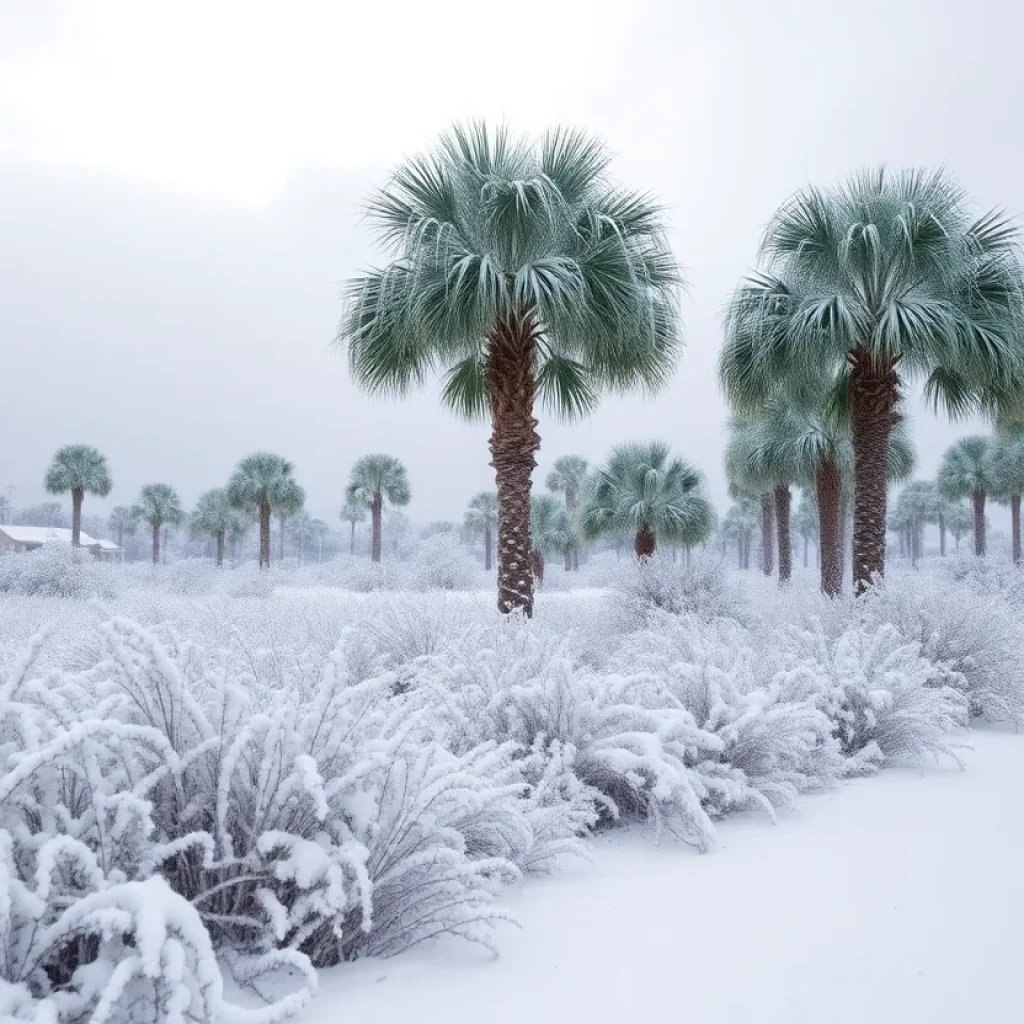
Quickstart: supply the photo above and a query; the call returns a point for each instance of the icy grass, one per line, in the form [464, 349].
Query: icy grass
[206, 772]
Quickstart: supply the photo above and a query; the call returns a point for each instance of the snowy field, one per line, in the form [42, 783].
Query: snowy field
[239, 796]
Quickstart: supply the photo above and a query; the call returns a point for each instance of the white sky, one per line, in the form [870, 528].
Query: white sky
[179, 190]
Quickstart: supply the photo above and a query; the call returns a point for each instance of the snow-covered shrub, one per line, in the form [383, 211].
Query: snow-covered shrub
[442, 563]
[56, 570]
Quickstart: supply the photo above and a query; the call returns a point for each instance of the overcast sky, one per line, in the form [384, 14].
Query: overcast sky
[180, 185]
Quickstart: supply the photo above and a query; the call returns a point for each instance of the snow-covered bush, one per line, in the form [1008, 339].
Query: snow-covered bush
[56, 570]
[442, 563]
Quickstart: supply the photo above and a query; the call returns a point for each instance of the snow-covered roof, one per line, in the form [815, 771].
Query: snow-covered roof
[45, 535]
[107, 545]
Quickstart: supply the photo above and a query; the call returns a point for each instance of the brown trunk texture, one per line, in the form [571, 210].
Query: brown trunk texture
[220, 549]
[785, 540]
[77, 494]
[828, 488]
[537, 564]
[488, 546]
[156, 543]
[978, 503]
[376, 515]
[1015, 526]
[644, 543]
[873, 394]
[767, 534]
[514, 441]
[264, 534]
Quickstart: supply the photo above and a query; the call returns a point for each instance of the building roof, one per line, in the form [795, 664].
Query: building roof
[45, 535]
[107, 545]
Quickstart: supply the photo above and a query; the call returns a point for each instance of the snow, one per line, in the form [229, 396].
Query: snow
[894, 900]
[47, 535]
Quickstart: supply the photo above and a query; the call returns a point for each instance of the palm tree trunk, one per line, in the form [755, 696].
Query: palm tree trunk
[156, 543]
[828, 488]
[739, 551]
[1015, 526]
[978, 503]
[511, 387]
[537, 564]
[805, 550]
[767, 532]
[77, 494]
[575, 558]
[120, 538]
[352, 539]
[376, 514]
[644, 543]
[280, 539]
[873, 392]
[220, 549]
[942, 535]
[785, 540]
[568, 558]
[264, 534]
[488, 547]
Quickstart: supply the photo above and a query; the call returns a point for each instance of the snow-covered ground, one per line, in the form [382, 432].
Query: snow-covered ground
[894, 900]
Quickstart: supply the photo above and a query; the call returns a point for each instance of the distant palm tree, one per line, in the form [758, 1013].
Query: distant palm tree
[377, 479]
[159, 506]
[642, 489]
[482, 518]
[122, 522]
[1008, 459]
[550, 528]
[353, 514]
[916, 506]
[319, 531]
[259, 483]
[80, 469]
[521, 271]
[740, 522]
[968, 469]
[889, 276]
[215, 516]
[568, 477]
[289, 503]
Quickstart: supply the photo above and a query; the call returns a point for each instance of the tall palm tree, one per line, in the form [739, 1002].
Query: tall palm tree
[890, 276]
[568, 477]
[258, 484]
[522, 272]
[80, 469]
[1008, 460]
[159, 506]
[376, 479]
[122, 522]
[643, 490]
[214, 516]
[482, 519]
[968, 469]
[289, 503]
[353, 514]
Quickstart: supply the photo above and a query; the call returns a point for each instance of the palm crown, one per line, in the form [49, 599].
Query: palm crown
[549, 524]
[214, 514]
[159, 505]
[378, 476]
[642, 489]
[968, 468]
[261, 477]
[482, 513]
[79, 467]
[568, 475]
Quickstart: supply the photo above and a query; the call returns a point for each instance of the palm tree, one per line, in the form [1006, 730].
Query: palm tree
[740, 522]
[159, 506]
[289, 503]
[319, 531]
[805, 520]
[376, 479]
[959, 519]
[643, 490]
[215, 516]
[968, 469]
[259, 482]
[1008, 460]
[80, 469]
[550, 529]
[568, 477]
[917, 505]
[522, 272]
[482, 518]
[353, 514]
[122, 522]
[889, 276]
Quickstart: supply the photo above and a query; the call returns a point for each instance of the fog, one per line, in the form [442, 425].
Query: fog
[180, 199]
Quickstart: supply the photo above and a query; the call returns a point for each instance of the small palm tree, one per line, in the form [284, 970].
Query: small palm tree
[353, 514]
[568, 477]
[319, 531]
[968, 469]
[482, 519]
[960, 520]
[522, 273]
[550, 528]
[889, 276]
[214, 516]
[122, 522]
[739, 524]
[642, 489]
[917, 505]
[289, 503]
[376, 479]
[159, 506]
[805, 520]
[259, 483]
[1008, 460]
[80, 469]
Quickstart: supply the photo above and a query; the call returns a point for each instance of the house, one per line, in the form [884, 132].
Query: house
[17, 539]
